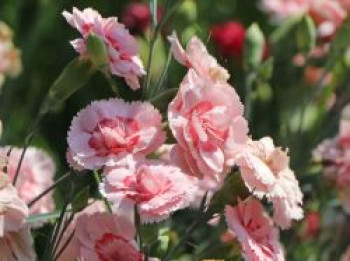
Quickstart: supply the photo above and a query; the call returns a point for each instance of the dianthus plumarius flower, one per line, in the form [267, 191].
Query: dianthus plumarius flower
[157, 189]
[107, 131]
[327, 14]
[36, 174]
[197, 57]
[206, 118]
[254, 230]
[334, 154]
[104, 236]
[15, 238]
[266, 172]
[123, 52]
[10, 56]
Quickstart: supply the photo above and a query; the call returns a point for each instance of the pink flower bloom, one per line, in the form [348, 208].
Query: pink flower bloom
[197, 57]
[10, 56]
[335, 156]
[103, 236]
[107, 131]
[326, 13]
[70, 253]
[206, 119]
[254, 231]
[15, 238]
[157, 189]
[122, 48]
[36, 174]
[346, 255]
[265, 171]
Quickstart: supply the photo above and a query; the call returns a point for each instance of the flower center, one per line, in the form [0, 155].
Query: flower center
[145, 185]
[114, 248]
[114, 136]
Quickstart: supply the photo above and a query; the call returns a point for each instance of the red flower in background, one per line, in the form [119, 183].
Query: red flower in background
[136, 17]
[312, 222]
[229, 38]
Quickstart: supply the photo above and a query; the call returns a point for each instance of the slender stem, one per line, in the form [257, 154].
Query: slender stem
[29, 137]
[57, 182]
[156, 30]
[249, 80]
[67, 222]
[162, 76]
[315, 92]
[201, 218]
[98, 182]
[61, 250]
[138, 226]
[149, 61]
[111, 82]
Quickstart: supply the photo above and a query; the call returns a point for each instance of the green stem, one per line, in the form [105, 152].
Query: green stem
[316, 89]
[111, 82]
[138, 226]
[156, 30]
[249, 80]
[201, 218]
[57, 182]
[98, 182]
[29, 137]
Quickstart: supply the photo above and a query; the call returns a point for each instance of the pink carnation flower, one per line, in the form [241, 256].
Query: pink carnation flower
[157, 189]
[36, 174]
[206, 119]
[104, 236]
[335, 156]
[254, 231]
[123, 52]
[107, 131]
[265, 171]
[327, 14]
[197, 57]
[15, 238]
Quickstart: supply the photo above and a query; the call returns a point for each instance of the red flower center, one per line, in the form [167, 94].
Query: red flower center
[114, 136]
[115, 248]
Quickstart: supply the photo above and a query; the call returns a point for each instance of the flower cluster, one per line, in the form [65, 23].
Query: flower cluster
[206, 119]
[334, 155]
[327, 14]
[10, 58]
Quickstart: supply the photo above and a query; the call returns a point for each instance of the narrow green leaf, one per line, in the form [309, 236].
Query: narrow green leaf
[81, 200]
[285, 29]
[43, 217]
[153, 9]
[341, 41]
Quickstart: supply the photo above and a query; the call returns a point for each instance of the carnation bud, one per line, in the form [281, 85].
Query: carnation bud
[254, 45]
[76, 74]
[306, 35]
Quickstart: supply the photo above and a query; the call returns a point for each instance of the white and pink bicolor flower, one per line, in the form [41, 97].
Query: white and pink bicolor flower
[123, 51]
[255, 231]
[157, 189]
[266, 172]
[108, 132]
